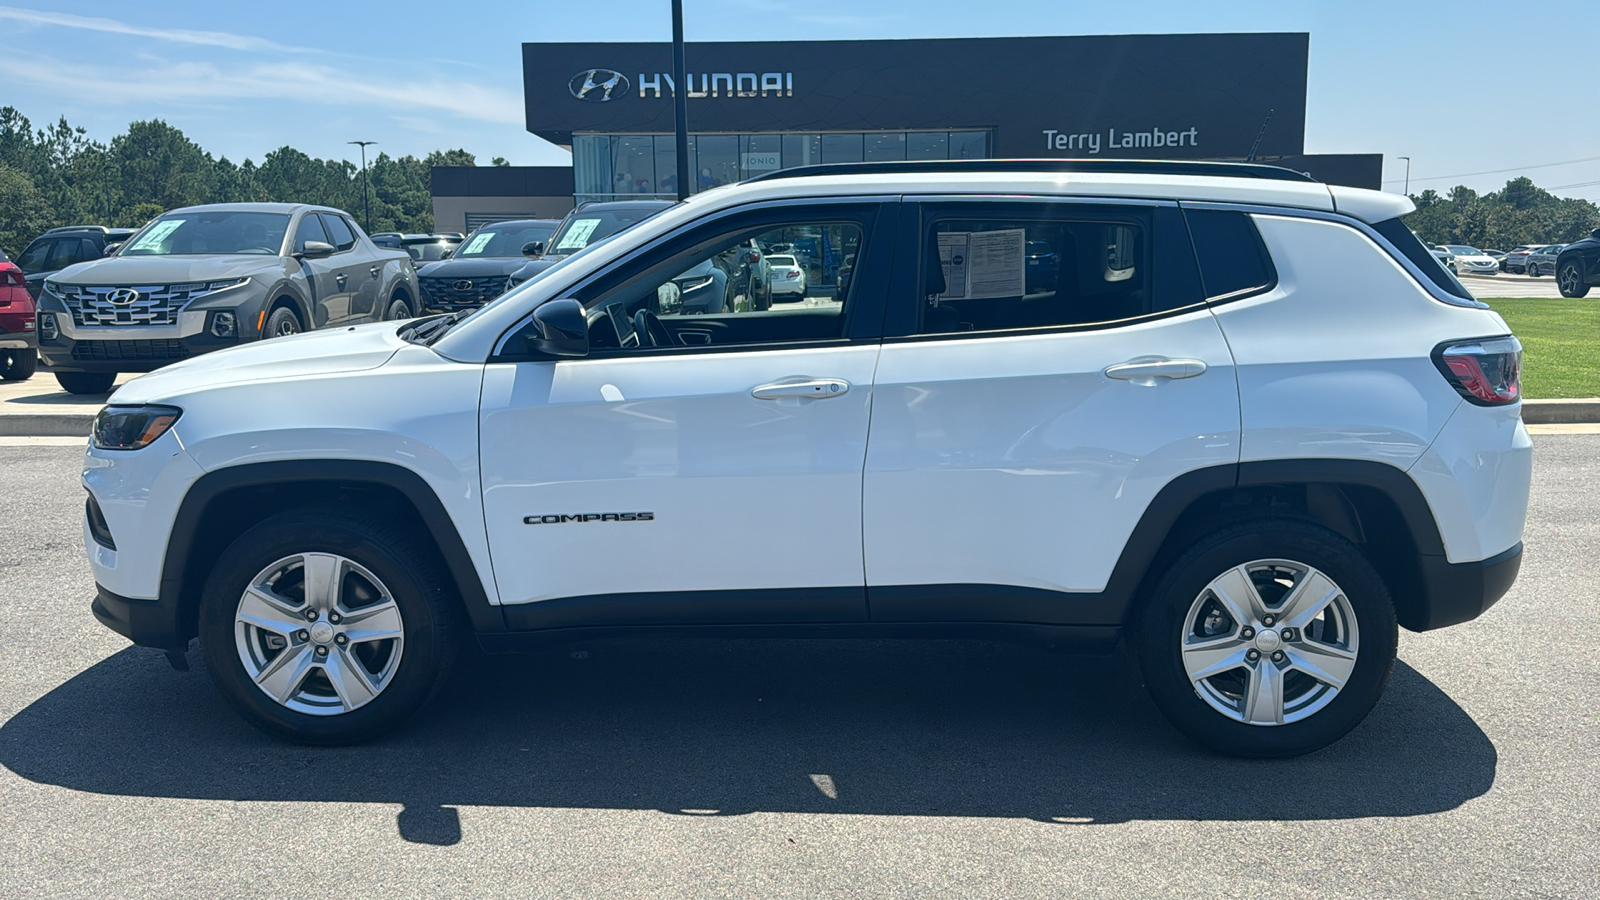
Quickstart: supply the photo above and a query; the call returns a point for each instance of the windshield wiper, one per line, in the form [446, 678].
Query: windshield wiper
[433, 329]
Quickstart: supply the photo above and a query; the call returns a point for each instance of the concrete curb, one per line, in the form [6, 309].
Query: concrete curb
[1534, 412]
[46, 424]
[1561, 412]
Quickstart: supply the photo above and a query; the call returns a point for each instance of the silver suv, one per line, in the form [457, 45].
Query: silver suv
[207, 277]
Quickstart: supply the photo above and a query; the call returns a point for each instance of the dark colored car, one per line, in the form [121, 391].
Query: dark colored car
[422, 248]
[18, 357]
[478, 269]
[1543, 260]
[1043, 267]
[589, 223]
[1578, 266]
[58, 248]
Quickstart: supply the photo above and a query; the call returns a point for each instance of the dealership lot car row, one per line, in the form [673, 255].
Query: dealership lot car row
[1281, 430]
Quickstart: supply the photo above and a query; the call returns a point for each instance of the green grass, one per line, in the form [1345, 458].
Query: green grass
[1560, 345]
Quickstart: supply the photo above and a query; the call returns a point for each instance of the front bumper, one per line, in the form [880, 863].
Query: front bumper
[148, 623]
[84, 353]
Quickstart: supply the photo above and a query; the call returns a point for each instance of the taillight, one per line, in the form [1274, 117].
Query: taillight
[1486, 371]
[792, 273]
[13, 278]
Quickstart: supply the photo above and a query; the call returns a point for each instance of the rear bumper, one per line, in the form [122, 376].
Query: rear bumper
[1461, 592]
[17, 340]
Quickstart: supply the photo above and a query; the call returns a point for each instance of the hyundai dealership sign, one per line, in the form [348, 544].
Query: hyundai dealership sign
[1173, 96]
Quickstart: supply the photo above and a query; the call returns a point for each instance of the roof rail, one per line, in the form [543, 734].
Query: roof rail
[1044, 166]
[65, 228]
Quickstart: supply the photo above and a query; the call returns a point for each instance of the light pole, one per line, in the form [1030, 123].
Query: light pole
[680, 99]
[366, 205]
[1407, 191]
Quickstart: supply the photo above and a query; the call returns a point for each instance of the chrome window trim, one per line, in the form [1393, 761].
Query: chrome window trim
[633, 253]
[1290, 212]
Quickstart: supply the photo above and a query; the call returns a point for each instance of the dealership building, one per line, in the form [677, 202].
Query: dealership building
[759, 106]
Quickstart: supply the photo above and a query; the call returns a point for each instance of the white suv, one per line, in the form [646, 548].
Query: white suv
[1247, 425]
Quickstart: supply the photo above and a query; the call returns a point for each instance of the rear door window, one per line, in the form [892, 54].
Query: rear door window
[1008, 266]
[32, 259]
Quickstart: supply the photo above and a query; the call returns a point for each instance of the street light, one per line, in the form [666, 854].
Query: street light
[366, 205]
[1408, 174]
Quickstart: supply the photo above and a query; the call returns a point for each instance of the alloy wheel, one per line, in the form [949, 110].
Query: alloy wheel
[1569, 279]
[1270, 642]
[319, 634]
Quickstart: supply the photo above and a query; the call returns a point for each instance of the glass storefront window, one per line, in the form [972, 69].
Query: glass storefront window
[928, 145]
[838, 148]
[760, 153]
[969, 145]
[886, 146]
[591, 164]
[716, 160]
[667, 166]
[633, 165]
[801, 150]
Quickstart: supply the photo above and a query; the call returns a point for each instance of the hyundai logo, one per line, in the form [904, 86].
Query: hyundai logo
[462, 285]
[122, 296]
[597, 85]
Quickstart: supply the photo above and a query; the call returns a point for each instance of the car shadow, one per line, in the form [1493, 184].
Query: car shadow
[705, 728]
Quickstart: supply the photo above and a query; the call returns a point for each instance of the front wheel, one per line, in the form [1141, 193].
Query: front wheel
[281, 322]
[398, 309]
[323, 628]
[1572, 279]
[1270, 638]
[86, 382]
[19, 365]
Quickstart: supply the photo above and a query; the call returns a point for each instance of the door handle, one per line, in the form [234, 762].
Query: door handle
[374, 271]
[1148, 370]
[340, 278]
[813, 388]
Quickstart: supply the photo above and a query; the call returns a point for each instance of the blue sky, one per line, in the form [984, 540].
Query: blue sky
[1462, 87]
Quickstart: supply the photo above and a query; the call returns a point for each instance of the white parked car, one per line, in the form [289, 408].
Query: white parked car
[1251, 429]
[1472, 261]
[788, 278]
[1444, 256]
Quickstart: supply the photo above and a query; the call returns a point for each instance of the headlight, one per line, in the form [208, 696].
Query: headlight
[47, 326]
[132, 427]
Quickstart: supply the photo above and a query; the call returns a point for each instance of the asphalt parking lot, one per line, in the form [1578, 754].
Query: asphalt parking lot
[799, 768]
[1508, 285]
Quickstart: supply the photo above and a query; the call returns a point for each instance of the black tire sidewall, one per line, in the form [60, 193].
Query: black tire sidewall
[19, 364]
[277, 315]
[416, 587]
[86, 382]
[1159, 629]
[397, 303]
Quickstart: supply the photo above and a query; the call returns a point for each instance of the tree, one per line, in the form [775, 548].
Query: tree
[160, 165]
[23, 211]
[449, 158]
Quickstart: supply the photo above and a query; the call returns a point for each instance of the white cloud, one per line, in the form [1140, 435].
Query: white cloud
[159, 82]
[113, 26]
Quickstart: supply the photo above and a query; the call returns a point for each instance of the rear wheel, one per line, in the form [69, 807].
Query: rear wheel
[1268, 638]
[281, 322]
[1572, 279]
[323, 628]
[86, 382]
[1532, 269]
[19, 365]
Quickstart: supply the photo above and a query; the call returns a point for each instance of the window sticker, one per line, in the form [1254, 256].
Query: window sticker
[577, 237]
[159, 232]
[983, 265]
[476, 245]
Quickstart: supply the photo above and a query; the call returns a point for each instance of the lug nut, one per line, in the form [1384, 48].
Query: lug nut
[1288, 634]
[322, 651]
[311, 615]
[333, 617]
[341, 640]
[1252, 655]
[1247, 633]
[1278, 656]
[303, 635]
[1268, 620]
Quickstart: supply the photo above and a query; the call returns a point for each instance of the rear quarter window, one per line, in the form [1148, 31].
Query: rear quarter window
[1396, 233]
[1233, 260]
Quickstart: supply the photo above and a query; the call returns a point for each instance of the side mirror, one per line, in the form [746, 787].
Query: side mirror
[560, 328]
[315, 250]
[533, 248]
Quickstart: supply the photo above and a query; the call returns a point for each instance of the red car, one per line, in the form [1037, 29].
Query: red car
[18, 356]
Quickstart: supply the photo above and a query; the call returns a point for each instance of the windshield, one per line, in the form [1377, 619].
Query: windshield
[1459, 250]
[502, 240]
[208, 233]
[583, 229]
[429, 252]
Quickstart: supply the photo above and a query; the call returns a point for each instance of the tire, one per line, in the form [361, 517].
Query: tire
[1355, 639]
[19, 365]
[86, 382]
[397, 674]
[1572, 279]
[282, 322]
[1531, 270]
[398, 309]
